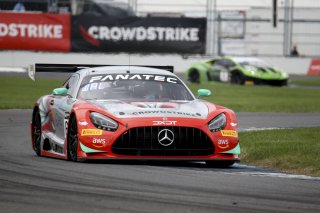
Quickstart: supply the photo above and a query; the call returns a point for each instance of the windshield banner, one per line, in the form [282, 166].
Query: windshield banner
[135, 34]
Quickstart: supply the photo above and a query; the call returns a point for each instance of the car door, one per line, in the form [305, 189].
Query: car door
[61, 106]
[224, 65]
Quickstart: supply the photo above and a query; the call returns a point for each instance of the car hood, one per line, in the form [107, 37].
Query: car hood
[267, 69]
[132, 109]
[264, 72]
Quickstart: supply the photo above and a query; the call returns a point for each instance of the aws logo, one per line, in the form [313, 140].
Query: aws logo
[99, 142]
[223, 144]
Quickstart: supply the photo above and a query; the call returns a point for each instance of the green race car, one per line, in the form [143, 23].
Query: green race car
[236, 70]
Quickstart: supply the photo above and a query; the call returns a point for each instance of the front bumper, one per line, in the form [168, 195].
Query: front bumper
[257, 81]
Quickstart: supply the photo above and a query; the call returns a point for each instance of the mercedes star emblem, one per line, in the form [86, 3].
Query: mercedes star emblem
[165, 137]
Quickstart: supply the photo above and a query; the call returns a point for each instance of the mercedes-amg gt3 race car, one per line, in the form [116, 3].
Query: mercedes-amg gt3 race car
[131, 112]
[237, 70]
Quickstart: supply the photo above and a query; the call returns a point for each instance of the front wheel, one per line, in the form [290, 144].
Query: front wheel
[36, 132]
[72, 139]
[220, 164]
[237, 78]
[194, 76]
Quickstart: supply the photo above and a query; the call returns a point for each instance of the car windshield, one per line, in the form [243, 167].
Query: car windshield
[133, 87]
[253, 62]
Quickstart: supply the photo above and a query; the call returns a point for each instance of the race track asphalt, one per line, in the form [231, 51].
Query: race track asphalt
[36, 184]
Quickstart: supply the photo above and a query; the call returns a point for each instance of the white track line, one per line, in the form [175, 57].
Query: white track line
[13, 69]
[270, 173]
[260, 129]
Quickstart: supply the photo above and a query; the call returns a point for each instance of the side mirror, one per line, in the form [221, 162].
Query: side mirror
[60, 91]
[203, 93]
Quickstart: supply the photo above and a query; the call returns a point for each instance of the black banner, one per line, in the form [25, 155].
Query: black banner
[137, 34]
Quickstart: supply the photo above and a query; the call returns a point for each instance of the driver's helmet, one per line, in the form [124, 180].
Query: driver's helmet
[152, 90]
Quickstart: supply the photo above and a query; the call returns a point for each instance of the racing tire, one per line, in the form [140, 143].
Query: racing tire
[194, 76]
[220, 164]
[72, 140]
[36, 132]
[237, 78]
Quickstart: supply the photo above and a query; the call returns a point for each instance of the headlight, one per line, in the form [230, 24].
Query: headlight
[103, 122]
[250, 68]
[218, 123]
[284, 74]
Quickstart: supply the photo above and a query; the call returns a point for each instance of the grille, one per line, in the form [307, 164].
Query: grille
[143, 141]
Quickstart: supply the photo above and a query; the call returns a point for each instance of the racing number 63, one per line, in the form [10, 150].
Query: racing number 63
[224, 76]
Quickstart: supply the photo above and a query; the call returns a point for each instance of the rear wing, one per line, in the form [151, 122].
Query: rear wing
[71, 68]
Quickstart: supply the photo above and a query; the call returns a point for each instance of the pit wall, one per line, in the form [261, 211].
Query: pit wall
[17, 59]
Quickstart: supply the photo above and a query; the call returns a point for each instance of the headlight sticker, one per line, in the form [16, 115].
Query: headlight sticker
[83, 123]
[229, 133]
[90, 132]
[233, 124]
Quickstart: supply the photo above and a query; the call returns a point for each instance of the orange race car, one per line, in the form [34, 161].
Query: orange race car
[131, 112]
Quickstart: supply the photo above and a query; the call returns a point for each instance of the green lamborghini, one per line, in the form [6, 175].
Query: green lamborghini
[236, 70]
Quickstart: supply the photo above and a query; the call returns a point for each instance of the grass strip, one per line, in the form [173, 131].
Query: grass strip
[288, 150]
[22, 92]
[305, 80]
[262, 98]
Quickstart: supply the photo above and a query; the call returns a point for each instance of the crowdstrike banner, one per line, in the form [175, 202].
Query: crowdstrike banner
[31, 30]
[144, 35]
[27, 31]
[62, 32]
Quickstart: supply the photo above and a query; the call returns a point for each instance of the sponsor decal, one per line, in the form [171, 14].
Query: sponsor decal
[223, 144]
[229, 133]
[92, 86]
[31, 30]
[35, 31]
[99, 142]
[314, 68]
[145, 77]
[87, 132]
[157, 123]
[152, 112]
[138, 34]
[165, 137]
[144, 33]
[83, 123]
[233, 124]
